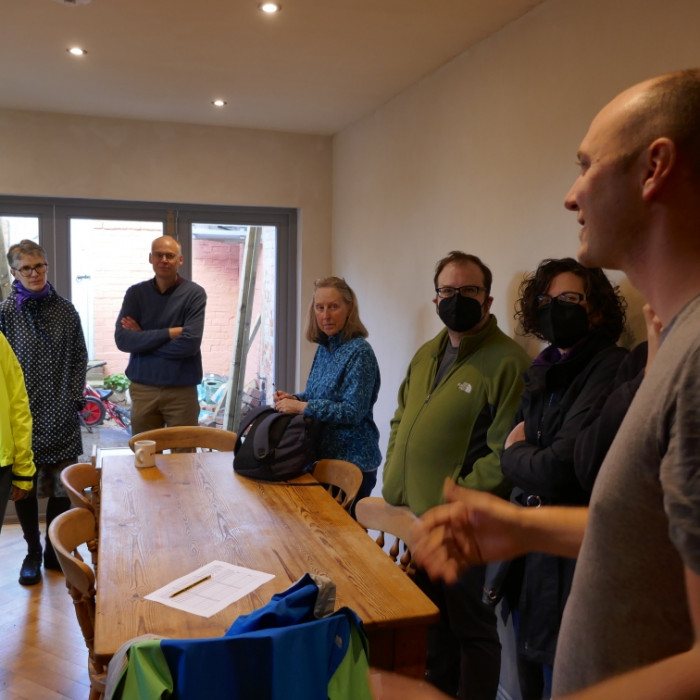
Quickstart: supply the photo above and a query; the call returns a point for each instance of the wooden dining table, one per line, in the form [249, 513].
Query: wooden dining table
[159, 523]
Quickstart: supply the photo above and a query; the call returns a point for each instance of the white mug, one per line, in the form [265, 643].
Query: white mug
[145, 453]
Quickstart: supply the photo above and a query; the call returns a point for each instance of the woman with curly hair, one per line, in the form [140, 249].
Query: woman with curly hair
[581, 315]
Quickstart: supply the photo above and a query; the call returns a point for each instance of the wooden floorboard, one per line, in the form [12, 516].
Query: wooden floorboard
[42, 651]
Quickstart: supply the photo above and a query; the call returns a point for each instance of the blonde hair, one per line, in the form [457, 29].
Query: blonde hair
[354, 328]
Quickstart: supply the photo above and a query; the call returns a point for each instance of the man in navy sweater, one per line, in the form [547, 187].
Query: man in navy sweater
[161, 324]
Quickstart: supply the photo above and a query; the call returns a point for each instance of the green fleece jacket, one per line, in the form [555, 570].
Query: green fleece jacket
[457, 429]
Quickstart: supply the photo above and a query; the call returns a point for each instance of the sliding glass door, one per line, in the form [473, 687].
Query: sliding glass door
[96, 250]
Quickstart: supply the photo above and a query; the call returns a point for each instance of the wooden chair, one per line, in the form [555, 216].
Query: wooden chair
[342, 479]
[376, 514]
[77, 479]
[189, 437]
[68, 531]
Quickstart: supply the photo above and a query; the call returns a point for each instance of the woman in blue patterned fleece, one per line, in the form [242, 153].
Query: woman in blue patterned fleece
[343, 384]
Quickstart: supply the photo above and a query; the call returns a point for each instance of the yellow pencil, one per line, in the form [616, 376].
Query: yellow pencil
[191, 585]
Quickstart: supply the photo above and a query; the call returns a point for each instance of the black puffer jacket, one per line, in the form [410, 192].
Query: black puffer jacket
[604, 418]
[556, 401]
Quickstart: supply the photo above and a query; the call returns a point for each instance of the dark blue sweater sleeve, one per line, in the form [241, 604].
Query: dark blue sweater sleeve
[137, 341]
[189, 341]
[185, 307]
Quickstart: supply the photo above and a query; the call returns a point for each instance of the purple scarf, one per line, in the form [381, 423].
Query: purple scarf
[551, 355]
[23, 294]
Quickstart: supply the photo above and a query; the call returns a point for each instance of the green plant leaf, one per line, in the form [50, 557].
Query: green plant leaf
[117, 382]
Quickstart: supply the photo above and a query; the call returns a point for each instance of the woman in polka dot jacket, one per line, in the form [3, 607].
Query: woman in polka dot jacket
[45, 333]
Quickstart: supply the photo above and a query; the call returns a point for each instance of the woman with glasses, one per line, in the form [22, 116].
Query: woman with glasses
[45, 333]
[581, 315]
[343, 383]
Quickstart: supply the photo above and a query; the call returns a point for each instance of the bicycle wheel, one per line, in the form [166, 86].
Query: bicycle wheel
[94, 411]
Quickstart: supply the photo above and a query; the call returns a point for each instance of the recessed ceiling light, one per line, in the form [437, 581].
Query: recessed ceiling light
[219, 103]
[76, 51]
[270, 7]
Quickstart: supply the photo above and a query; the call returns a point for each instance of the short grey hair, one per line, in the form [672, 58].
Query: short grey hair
[25, 247]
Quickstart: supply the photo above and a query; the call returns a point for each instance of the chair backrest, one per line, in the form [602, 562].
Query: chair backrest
[68, 531]
[188, 437]
[342, 479]
[255, 658]
[77, 479]
[376, 514]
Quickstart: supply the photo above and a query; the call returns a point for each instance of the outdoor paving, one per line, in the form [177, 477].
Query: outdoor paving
[106, 435]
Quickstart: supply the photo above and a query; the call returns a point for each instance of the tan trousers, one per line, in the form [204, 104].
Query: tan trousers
[160, 406]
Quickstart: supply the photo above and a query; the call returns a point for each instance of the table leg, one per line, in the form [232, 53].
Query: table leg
[401, 650]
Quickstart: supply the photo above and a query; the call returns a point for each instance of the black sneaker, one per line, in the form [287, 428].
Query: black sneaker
[50, 559]
[30, 573]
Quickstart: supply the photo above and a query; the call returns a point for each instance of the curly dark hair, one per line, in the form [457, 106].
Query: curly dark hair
[606, 306]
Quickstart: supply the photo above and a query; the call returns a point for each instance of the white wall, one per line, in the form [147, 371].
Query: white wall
[43, 154]
[479, 156]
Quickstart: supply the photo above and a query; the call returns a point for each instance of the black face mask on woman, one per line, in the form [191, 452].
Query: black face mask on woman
[562, 323]
[459, 313]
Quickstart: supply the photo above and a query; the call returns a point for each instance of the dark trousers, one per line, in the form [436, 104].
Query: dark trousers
[369, 480]
[535, 679]
[464, 652]
[28, 515]
[5, 490]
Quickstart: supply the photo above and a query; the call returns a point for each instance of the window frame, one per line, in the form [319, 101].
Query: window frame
[54, 216]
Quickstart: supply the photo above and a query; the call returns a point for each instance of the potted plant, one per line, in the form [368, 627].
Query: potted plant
[118, 383]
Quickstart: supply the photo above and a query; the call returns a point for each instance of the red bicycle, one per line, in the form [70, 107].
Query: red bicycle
[98, 407]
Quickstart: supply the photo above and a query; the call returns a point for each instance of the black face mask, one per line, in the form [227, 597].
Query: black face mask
[459, 313]
[562, 323]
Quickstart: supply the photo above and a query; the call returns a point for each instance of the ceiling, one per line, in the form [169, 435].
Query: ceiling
[315, 67]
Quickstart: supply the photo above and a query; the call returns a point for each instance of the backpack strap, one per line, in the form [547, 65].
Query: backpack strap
[261, 437]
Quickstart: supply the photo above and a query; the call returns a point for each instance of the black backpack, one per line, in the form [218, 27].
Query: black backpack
[274, 446]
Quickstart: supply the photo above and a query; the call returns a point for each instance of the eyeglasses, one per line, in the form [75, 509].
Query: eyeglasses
[166, 256]
[568, 297]
[468, 290]
[28, 270]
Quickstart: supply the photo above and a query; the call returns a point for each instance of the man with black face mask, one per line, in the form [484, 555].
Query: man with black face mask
[456, 407]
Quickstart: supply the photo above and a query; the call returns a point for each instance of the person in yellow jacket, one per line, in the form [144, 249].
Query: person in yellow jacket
[16, 457]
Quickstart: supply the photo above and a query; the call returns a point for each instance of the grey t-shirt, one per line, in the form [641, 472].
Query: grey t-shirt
[448, 359]
[628, 604]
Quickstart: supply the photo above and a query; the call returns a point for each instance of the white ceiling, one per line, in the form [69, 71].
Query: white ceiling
[316, 67]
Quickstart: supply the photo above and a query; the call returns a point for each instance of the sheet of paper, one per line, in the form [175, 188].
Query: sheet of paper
[225, 584]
